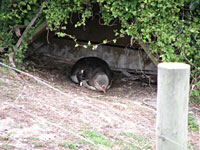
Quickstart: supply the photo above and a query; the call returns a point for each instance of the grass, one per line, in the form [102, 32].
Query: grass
[10, 96]
[5, 138]
[3, 84]
[36, 142]
[126, 141]
[192, 125]
[6, 71]
[33, 106]
[1, 81]
[69, 144]
[135, 137]
[136, 142]
[96, 137]
[33, 138]
[6, 147]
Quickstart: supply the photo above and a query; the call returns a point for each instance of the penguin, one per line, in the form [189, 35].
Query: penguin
[92, 73]
[97, 80]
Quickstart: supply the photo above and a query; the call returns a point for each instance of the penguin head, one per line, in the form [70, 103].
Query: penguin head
[101, 82]
[81, 76]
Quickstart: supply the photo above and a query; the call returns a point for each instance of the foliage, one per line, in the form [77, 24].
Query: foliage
[195, 95]
[192, 125]
[171, 28]
[15, 15]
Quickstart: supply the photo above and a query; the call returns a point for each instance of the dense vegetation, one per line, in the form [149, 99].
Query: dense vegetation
[170, 28]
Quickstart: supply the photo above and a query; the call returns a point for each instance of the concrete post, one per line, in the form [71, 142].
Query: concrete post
[172, 106]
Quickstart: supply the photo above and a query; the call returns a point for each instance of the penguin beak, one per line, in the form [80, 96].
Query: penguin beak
[104, 89]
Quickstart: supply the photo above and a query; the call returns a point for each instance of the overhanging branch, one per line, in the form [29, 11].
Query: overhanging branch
[148, 51]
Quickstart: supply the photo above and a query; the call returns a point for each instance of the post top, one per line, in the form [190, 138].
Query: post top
[173, 65]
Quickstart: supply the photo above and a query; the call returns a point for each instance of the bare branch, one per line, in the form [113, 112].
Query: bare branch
[30, 25]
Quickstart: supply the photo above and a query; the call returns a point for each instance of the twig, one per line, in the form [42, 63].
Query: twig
[11, 57]
[109, 25]
[29, 25]
[131, 41]
[71, 18]
[142, 68]
[48, 36]
[188, 60]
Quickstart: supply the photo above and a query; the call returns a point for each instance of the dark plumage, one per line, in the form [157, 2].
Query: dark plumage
[93, 73]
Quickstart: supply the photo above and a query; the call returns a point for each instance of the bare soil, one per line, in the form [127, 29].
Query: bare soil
[34, 116]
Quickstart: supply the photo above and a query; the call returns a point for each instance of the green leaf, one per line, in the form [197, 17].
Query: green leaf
[114, 41]
[196, 93]
[26, 22]
[61, 34]
[116, 33]
[63, 27]
[28, 7]
[94, 47]
[105, 41]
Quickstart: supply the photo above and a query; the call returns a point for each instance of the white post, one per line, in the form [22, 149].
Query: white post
[172, 106]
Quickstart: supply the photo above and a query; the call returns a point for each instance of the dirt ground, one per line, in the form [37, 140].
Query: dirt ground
[63, 115]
